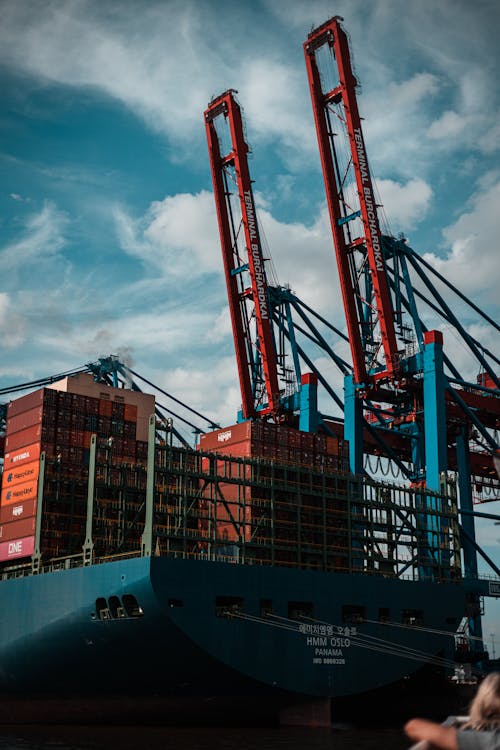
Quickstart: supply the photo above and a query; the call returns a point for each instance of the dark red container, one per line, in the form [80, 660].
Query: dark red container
[25, 403]
[17, 529]
[17, 511]
[117, 410]
[105, 408]
[24, 420]
[24, 437]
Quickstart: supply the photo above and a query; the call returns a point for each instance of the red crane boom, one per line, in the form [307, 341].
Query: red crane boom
[343, 94]
[235, 162]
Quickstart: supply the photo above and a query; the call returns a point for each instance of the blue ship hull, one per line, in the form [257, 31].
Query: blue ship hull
[54, 642]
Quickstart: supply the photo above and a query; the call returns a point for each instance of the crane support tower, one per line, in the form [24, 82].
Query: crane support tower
[259, 395]
[429, 417]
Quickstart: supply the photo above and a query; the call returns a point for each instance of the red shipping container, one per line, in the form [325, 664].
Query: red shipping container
[23, 437]
[130, 430]
[307, 441]
[16, 511]
[17, 529]
[18, 548]
[78, 421]
[130, 413]
[320, 443]
[24, 491]
[117, 410]
[332, 445]
[91, 405]
[25, 403]
[19, 474]
[104, 426]
[65, 400]
[105, 408]
[22, 456]
[215, 441]
[24, 420]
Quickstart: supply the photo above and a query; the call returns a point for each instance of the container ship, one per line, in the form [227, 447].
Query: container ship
[262, 571]
[250, 568]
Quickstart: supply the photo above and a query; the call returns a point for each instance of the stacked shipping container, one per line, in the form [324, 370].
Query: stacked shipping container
[240, 507]
[60, 421]
[281, 444]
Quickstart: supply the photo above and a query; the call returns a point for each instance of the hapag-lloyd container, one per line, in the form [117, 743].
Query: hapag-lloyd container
[24, 491]
[19, 474]
[271, 442]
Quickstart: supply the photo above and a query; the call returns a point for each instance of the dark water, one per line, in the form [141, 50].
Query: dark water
[168, 738]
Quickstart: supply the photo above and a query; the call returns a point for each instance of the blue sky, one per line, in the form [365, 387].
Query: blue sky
[108, 238]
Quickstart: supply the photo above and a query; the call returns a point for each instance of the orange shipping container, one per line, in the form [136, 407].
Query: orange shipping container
[19, 474]
[25, 491]
[22, 456]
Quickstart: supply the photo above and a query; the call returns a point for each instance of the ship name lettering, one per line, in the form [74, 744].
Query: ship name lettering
[316, 641]
[340, 642]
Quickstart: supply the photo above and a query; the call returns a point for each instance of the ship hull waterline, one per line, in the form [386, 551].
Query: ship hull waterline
[181, 648]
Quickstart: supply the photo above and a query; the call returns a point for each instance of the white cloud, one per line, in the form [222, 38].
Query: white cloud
[489, 141]
[449, 125]
[211, 389]
[43, 238]
[406, 204]
[221, 328]
[472, 262]
[12, 325]
[177, 236]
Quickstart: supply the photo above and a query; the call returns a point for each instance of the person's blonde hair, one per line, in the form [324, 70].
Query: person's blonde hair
[484, 712]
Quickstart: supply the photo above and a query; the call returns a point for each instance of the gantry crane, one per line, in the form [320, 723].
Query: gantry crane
[437, 420]
[264, 333]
